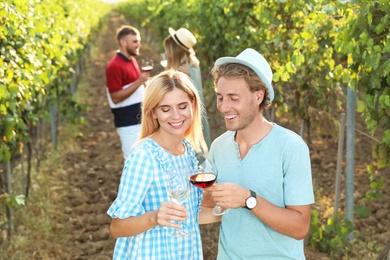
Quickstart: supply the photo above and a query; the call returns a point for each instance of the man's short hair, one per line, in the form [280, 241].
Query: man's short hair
[125, 30]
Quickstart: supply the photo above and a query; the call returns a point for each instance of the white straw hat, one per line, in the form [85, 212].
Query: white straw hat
[184, 38]
[255, 61]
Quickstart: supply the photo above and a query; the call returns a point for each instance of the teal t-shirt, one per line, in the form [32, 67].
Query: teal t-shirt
[278, 169]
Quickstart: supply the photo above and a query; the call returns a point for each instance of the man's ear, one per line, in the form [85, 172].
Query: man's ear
[122, 42]
[260, 95]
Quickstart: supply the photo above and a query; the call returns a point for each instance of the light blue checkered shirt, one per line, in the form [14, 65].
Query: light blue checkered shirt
[142, 188]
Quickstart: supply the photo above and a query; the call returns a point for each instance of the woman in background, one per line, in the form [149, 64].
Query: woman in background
[181, 56]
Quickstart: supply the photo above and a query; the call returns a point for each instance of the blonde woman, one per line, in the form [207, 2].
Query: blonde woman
[181, 56]
[142, 215]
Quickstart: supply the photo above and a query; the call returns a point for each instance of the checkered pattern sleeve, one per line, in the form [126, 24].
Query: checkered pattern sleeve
[135, 182]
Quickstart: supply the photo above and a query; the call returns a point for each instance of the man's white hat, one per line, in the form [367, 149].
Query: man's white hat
[254, 60]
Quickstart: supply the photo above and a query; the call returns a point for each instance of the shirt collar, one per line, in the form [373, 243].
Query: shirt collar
[124, 57]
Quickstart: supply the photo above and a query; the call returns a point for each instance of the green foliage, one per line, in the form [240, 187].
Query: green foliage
[12, 201]
[332, 236]
[72, 111]
[362, 211]
[376, 185]
[40, 42]
[364, 37]
[296, 37]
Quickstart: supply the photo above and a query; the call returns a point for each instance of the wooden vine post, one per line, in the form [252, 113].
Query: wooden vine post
[350, 156]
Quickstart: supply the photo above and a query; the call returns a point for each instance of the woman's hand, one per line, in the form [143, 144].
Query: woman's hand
[164, 216]
[169, 213]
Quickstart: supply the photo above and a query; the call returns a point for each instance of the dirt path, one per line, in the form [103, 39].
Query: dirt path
[95, 166]
[94, 170]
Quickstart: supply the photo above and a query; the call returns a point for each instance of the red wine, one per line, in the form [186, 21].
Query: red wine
[203, 180]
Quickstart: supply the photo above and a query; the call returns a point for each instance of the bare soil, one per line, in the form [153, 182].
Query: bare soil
[95, 166]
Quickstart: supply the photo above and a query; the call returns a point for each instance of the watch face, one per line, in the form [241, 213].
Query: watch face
[251, 202]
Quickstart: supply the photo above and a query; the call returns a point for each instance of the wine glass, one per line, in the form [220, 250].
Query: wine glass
[147, 65]
[179, 190]
[163, 60]
[205, 176]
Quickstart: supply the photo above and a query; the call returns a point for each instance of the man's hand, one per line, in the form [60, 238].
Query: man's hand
[144, 77]
[228, 195]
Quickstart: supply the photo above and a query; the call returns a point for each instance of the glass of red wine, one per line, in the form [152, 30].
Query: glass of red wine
[205, 176]
[147, 65]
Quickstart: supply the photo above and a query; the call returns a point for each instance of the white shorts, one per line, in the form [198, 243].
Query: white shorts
[129, 136]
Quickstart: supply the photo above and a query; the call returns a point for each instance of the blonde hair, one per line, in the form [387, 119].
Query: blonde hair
[177, 56]
[161, 84]
[239, 71]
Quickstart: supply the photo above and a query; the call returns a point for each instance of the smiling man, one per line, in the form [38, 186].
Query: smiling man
[125, 89]
[264, 172]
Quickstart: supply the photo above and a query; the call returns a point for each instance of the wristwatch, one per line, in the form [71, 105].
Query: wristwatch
[251, 202]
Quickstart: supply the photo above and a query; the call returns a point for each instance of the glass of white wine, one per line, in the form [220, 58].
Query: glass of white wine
[179, 190]
[163, 60]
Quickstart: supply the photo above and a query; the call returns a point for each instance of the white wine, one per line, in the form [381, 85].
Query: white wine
[164, 63]
[179, 196]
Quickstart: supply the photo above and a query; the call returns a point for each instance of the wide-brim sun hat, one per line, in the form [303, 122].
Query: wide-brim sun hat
[254, 60]
[184, 38]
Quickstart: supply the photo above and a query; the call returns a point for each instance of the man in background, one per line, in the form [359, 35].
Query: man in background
[125, 89]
